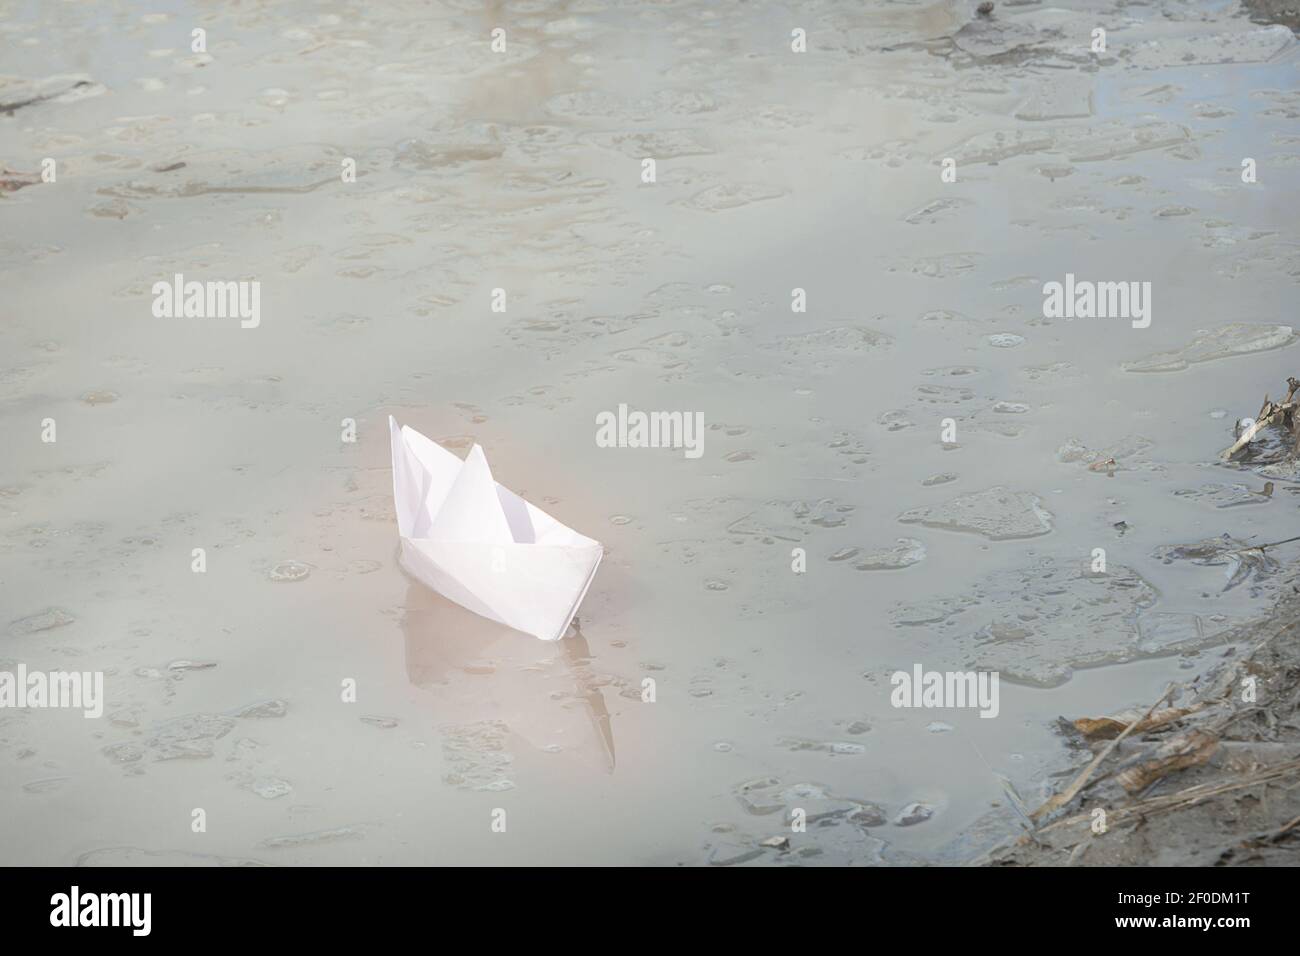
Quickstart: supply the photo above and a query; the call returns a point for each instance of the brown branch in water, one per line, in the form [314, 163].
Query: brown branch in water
[9, 108]
[1145, 722]
[1271, 544]
[1070, 792]
[1188, 797]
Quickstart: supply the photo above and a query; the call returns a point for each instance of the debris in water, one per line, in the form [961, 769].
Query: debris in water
[1106, 728]
[1190, 749]
[11, 180]
[57, 89]
[1241, 560]
[1277, 414]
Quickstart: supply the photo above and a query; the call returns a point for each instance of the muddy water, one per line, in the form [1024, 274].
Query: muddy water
[522, 171]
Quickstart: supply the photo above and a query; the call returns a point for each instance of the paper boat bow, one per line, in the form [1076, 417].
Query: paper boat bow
[481, 545]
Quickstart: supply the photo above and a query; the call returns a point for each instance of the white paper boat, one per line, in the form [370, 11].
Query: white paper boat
[481, 545]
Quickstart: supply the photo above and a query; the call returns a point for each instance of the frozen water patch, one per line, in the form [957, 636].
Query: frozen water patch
[778, 519]
[1006, 340]
[1237, 338]
[1058, 98]
[661, 144]
[837, 341]
[190, 737]
[997, 40]
[998, 514]
[118, 856]
[286, 170]
[1078, 144]
[1035, 625]
[289, 571]
[591, 104]
[297, 841]
[904, 553]
[1074, 451]
[477, 756]
[47, 620]
[1221, 495]
[840, 830]
[936, 210]
[943, 266]
[1285, 470]
[1248, 46]
[726, 196]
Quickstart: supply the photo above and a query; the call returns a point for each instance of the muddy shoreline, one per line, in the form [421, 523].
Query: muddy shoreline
[1236, 804]
[1285, 12]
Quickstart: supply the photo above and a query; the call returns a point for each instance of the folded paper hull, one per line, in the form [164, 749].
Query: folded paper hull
[479, 544]
[531, 588]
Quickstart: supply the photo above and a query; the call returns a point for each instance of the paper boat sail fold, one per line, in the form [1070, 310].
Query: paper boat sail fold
[481, 545]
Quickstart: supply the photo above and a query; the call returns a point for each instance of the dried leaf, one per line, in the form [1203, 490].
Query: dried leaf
[1059, 800]
[1103, 728]
[1190, 749]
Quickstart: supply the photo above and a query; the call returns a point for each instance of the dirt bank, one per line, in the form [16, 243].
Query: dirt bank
[1285, 12]
[1206, 776]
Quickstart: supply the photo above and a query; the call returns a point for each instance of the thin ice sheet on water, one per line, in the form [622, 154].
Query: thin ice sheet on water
[1236, 338]
[997, 513]
[1036, 624]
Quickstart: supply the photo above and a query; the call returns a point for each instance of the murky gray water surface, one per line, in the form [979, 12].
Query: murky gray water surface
[522, 171]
